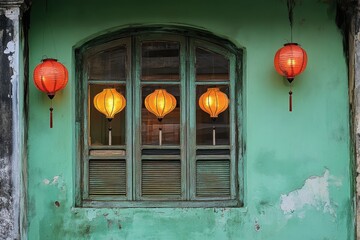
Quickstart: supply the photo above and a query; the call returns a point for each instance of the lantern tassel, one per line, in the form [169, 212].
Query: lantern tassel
[214, 136]
[214, 131]
[110, 135]
[290, 101]
[160, 136]
[51, 117]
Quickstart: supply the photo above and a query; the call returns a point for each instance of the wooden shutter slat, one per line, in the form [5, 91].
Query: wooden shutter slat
[213, 178]
[107, 177]
[161, 177]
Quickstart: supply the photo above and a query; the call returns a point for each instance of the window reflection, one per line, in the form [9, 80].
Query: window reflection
[109, 64]
[160, 61]
[211, 66]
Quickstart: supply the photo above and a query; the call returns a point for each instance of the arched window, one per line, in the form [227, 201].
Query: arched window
[162, 149]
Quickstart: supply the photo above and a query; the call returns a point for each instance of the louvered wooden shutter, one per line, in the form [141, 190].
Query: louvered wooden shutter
[161, 178]
[212, 178]
[107, 177]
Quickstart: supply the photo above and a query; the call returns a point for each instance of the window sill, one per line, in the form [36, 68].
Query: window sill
[160, 204]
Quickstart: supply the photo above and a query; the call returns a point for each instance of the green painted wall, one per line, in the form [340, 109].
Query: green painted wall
[297, 165]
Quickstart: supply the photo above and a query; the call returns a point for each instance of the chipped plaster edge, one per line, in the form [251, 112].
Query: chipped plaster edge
[13, 52]
[314, 194]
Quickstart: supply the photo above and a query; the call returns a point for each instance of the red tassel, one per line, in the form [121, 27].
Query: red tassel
[290, 101]
[51, 117]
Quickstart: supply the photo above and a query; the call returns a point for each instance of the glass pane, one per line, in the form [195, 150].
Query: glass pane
[98, 122]
[211, 66]
[157, 129]
[109, 64]
[212, 130]
[160, 61]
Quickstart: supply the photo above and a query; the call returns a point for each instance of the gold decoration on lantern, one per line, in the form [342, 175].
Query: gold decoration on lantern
[213, 102]
[109, 102]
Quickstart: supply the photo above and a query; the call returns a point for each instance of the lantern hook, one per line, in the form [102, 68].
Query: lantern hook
[290, 6]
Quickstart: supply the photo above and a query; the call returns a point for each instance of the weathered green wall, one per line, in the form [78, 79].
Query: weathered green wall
[297, 165]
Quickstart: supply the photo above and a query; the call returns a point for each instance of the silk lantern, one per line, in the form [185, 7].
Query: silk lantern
[213, 102]
[160, 103]
[109, 102]
[50, 76]
[290, 61]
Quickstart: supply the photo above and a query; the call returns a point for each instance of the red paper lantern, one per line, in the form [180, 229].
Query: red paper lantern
[50, 76]
[290, 61]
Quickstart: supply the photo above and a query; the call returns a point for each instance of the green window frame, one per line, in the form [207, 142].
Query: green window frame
[131, 174]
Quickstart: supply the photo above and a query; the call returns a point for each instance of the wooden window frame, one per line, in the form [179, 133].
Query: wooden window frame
[188, 40]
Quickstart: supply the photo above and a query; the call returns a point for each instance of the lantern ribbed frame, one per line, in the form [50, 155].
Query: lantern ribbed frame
[109, 102]
[50, 76]
[213, 102]
[290, 60]
[160, 103]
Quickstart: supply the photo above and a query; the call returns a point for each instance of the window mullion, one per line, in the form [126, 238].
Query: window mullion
[184, 116]
[191, 97]
[136, 129]
[129, 122]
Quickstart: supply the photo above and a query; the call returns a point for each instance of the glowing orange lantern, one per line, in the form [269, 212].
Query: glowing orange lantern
[109, 102]
[290, 61]
[213, 102]
[160, 103]
[50, 76]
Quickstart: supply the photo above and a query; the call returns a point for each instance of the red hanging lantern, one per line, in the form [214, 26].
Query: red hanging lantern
[290, 61]
[50, 76]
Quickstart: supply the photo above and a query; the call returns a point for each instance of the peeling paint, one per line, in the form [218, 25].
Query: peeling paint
[10, 48]
[314, 193]
[54, 181]
[46, 181]
[91, 215]
[10, 112]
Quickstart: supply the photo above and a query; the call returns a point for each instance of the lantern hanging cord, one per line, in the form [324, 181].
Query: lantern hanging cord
[290, 6]
[47, 26]
[44, 26]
